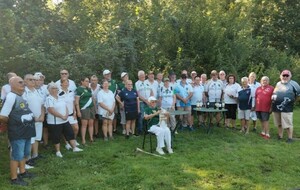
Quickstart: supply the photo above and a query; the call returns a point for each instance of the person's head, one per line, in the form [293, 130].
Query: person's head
[10, 75]
[141, 75]
[203, 78]
[124, 76]
[94, 80]
[183, 78]
[151, 76]
[244, 82]
[152, 101]
[231, 79]
[29, 81]
[285, 76]
[166, 82]
[64, 74]
[17, 85]
[184, 72]
[107, 74]
[222, 75]
[197, 80]
[252, 77]
[53, 89]
[105, 84]
[172, 76]
[159, 76]
[193, 74]
[85, 81]
[40, 79]
[214, 75]
[129, 85]
[64, 84]
[264, 81]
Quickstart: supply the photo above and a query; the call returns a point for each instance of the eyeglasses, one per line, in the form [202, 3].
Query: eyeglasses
[31, 79]
[285, 75]
[63, 73]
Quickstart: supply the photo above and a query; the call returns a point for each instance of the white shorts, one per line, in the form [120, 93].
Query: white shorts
[244, 114]
[38, 132]
[72, 120]
[253, 116]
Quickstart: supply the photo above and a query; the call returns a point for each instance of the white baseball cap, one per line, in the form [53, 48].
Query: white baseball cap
[151, 98]
[123, 74]
[106, 71]
[38, 75]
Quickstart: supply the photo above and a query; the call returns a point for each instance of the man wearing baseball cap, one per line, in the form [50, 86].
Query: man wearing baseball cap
[284, 96]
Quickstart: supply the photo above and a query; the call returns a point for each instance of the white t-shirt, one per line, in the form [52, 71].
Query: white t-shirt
[34, 100]
[253, 87]
[166, 95]
[231, 89]
[68, 98]
[107, 98]
[214, 89]
[95, 91]
[197, 95]
[9, 103]
[154, 87]
[4, 91]
[143, 89]
[60, 106]
[72, 85]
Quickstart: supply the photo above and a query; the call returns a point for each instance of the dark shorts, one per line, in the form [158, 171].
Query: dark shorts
[263, 116]
[61, 129]
[88, 113]
[20, 149]
[231, 111]
[131, 115]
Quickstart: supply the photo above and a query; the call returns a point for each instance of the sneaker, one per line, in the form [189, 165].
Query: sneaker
[26, 174]
[30, 162]
[267, 137]
[160, 151]
[124, 132]
[58, 154]
[176, 132]
[289, 140]
[170, 151]
[76, 149]
[262, 134]
[27, 167]
[68, 146]
[279, 137]
[18, 181]
[77, 144]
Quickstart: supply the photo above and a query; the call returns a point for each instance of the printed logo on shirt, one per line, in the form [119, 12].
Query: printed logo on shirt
[22, 105]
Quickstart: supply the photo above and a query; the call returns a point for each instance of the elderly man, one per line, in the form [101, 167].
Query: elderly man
[6, 88]
[253, 85]
[222, 77]
[284, 96]
[144, 91]
[153, 83]
[263, 102]
[64, 74]
[20, 120]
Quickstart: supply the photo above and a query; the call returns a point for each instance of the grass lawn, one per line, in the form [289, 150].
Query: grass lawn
[225, 159]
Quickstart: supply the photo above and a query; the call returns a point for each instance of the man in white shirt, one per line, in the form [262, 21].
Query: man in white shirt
[6, 88]
[222, 77]
[253, 85]
[153, 83]
[64, 74]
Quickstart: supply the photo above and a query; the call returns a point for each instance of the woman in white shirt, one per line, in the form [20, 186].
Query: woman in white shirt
[106, 106]
[57, 119]
[230, 99]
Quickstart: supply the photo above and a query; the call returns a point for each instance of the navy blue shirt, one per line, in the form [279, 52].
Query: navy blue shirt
[130, 100]
[245, 99]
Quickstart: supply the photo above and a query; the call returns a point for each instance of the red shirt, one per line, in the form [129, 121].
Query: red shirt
[263, 98]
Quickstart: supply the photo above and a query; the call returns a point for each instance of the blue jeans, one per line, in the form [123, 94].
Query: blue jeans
[20, 149]
[141, 118]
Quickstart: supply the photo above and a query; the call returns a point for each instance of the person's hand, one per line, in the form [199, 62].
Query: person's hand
[121, 105]
[65, 117]
[253, 109]
[79, 114]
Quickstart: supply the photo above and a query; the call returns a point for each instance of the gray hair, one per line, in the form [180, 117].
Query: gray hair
[244, 79]
[265, 78]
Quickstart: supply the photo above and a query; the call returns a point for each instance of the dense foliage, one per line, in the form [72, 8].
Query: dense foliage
[86, 36]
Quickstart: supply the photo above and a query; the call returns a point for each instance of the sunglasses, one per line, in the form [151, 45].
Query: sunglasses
[63, 73]
[285, 75]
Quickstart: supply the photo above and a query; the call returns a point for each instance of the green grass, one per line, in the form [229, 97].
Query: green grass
[224, 159]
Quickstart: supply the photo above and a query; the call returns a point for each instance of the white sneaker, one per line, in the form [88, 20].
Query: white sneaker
[58, 154]
[76, 149]
[27, 167]
[68, 146]
[18, 170]
[77, 144]
[170, 151]
[124, 132]
[160, 151]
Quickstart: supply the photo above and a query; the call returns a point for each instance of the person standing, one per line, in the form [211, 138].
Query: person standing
[6, 88]
[95, 88]
[284, 97]
[121, 86]
[64, 75]
[263, 102]
[197, 99]
[20, 120]
[253, 85]
[153, 83]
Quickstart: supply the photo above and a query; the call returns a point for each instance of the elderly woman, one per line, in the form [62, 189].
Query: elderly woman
[85, 108]
[57, 119]
[246, 104]
[157, 119]
[129, 100]
[230, 100]
[106, 106]
[68, 97]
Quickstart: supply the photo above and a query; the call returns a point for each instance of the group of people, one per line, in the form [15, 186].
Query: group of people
[33, 111]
